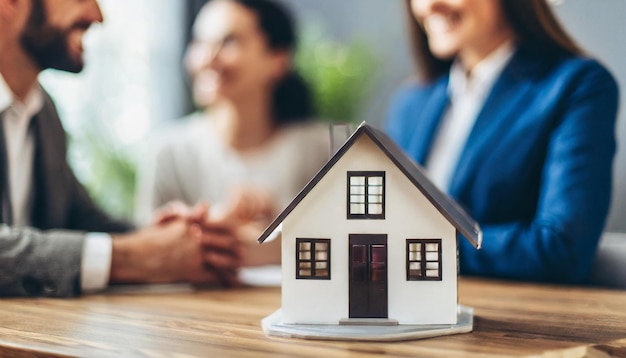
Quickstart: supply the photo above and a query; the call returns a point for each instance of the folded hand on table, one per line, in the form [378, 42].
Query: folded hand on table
[175, 251]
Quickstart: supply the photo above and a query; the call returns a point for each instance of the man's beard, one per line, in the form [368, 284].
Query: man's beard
[48, 45]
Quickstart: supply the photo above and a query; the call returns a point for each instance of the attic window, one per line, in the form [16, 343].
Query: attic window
[366, 195]
[313, 259]
[423, 260]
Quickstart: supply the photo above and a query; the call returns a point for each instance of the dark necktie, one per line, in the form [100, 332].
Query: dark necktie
[6, 210]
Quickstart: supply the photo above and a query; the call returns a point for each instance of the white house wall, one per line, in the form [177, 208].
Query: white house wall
[408, 214]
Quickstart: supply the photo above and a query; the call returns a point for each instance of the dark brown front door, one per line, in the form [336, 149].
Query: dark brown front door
[368, 276]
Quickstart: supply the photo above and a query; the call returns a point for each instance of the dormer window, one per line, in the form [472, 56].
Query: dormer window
[366, 195]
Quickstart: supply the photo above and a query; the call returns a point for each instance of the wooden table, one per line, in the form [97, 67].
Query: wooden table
[511, 319]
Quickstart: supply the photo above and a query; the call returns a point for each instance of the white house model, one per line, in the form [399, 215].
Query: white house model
[371, 240]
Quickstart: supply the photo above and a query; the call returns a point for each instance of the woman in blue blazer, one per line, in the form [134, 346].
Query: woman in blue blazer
[534, 163]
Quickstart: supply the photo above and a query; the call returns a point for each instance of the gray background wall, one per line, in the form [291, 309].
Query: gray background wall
[597, 25]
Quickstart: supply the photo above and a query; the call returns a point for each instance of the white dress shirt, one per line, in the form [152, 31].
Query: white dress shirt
[468, 94]
[15, 117]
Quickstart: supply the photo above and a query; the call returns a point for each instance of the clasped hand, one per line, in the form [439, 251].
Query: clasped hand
[222, 241]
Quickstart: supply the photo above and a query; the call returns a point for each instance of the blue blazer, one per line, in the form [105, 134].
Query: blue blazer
[536, 169]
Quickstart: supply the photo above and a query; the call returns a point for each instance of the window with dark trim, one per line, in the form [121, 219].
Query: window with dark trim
[423, 260]
[366, 195]
[313, 259]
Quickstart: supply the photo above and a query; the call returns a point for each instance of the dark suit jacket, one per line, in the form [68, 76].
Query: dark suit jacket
[536, 169]
[46, 259]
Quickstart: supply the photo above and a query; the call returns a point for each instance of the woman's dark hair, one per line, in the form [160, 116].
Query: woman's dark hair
[292, 100]
[533, 22]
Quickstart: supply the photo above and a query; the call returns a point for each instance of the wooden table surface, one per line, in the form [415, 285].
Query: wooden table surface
[511, 319]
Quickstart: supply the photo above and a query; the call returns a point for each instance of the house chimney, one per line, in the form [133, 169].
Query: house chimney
[339, 133]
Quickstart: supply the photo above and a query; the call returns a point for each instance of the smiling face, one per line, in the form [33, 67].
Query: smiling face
[470, 29]
[229, 57]
[54, 32]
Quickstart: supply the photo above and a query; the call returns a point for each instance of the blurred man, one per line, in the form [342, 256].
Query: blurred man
[44, 210]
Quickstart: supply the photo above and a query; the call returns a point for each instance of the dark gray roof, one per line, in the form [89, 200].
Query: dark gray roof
[455, 214]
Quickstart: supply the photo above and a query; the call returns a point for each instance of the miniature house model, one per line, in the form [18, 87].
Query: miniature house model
[371, 240]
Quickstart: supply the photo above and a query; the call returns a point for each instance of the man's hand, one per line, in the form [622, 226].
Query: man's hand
[238, 224]
[175, 251]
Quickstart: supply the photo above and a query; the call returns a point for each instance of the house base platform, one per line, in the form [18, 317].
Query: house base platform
[273, 327]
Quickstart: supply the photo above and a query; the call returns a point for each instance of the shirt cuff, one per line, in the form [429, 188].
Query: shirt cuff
[96, 262]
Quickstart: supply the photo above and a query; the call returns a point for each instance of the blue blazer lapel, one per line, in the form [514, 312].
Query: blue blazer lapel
[499, 112]
[428, 120]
